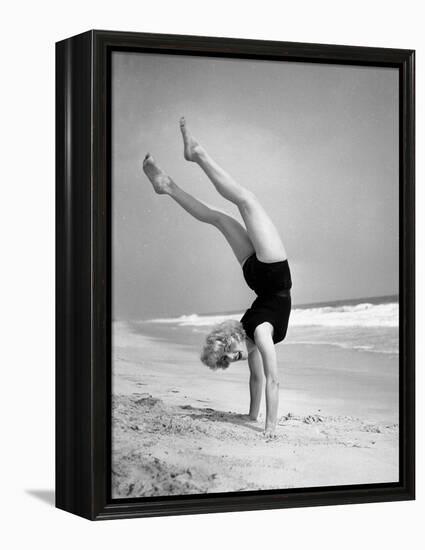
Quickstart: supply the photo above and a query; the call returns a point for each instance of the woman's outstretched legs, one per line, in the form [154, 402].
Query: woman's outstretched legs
[261, 230]
[232, 230]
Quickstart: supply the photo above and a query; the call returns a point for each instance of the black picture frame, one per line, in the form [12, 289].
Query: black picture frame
[83, 291]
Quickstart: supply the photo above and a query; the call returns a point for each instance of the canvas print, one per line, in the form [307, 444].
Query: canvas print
[255, 275]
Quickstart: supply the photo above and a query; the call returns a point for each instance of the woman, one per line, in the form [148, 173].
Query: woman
[260, 251]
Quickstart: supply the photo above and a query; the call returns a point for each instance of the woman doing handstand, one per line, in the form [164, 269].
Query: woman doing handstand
[259, 250]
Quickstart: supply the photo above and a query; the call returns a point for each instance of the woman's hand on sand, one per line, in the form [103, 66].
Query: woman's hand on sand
[270, 433]
[248, 418]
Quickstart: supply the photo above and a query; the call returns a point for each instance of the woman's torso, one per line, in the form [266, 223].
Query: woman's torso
[266, 278]
[272, 283]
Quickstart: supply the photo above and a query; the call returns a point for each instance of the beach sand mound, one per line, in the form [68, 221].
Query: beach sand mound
[161, 449]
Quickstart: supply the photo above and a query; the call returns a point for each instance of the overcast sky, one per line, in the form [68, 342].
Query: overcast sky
[318, 144]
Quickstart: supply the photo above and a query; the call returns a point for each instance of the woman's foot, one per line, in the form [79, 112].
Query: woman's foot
[159, 179]
[192, 149]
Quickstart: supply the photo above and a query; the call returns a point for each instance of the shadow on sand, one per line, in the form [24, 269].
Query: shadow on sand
[221, 416]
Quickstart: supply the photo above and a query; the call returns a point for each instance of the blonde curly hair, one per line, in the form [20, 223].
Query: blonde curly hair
[218, 342]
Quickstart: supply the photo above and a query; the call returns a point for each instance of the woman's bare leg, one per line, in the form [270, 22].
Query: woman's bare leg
[233, 231]
[261, 230]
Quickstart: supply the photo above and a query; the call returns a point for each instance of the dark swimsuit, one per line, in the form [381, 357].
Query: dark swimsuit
[271, 282]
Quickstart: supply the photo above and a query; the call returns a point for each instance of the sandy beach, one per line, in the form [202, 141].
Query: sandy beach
[179, 428]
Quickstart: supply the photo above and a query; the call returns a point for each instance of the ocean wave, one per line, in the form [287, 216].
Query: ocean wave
[195, 320]
[359, 315]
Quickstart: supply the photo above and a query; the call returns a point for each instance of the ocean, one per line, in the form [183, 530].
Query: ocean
[367, 325]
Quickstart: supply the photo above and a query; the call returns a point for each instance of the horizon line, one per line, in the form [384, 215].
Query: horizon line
[303, 305]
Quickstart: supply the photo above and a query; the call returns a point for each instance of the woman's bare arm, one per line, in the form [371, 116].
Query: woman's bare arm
[264, 341]
[255, 382]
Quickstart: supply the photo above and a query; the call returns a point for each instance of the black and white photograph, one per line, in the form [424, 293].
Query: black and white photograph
[212, 275]
[254, 275]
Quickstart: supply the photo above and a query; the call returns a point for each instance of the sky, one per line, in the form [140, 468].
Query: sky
[318, 145]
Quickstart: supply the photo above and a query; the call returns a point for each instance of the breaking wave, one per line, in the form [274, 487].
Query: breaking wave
[360, 315]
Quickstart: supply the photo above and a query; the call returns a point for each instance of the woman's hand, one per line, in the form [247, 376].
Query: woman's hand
[248, 417]
[270, 433]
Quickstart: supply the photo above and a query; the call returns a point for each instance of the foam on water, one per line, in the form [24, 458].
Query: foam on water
[361, 325]
[359, 315]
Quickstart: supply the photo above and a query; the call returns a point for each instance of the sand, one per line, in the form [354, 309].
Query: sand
[179, 428]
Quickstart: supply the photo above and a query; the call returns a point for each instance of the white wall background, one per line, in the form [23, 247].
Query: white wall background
[29, 30]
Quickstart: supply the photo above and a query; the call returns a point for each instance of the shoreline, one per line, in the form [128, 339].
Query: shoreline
[179, 428]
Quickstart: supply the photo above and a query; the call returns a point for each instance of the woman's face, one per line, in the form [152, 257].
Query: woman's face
[237, 350]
